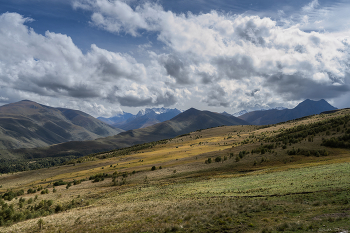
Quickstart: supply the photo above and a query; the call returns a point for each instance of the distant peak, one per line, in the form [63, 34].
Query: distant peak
[315, 103]
[27, 101]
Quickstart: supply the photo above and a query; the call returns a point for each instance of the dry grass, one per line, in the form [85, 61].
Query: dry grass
[189, 195]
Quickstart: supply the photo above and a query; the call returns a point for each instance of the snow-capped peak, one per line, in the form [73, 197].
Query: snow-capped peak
[157, 111]
[240, 113]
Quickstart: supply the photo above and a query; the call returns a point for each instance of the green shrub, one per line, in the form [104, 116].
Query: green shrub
[60, 182]
[208, 161]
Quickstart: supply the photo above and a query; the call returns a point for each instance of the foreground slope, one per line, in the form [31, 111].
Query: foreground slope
[273, 116]
[260, 179]
[186, 122]
[27, 124]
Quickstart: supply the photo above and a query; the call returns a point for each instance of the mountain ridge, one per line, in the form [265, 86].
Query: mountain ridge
[274, 116]
[27, 124]
[186, 122]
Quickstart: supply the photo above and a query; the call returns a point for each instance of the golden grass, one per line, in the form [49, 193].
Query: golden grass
[187, 191]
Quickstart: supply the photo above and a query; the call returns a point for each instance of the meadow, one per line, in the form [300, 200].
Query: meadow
[226, 179]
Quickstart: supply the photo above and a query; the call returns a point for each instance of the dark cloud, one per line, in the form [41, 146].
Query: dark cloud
[167, 99]
[235, 67]
[53, 86]
[132, 101]
[176, 68]
[300, 49]
[296, 87]
[217, 97]
[206, 78]
[314, 39]
[252, 93]
[250, 31]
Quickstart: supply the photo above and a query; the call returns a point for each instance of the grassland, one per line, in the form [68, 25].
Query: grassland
[266, 191]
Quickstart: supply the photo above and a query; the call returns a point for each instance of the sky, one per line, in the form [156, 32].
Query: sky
[108, 56]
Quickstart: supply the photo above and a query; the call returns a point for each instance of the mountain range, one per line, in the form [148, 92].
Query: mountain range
[29, 129]
[142, 119]
[273, 116]
[27, 124]
[183, 123]
[240, 113]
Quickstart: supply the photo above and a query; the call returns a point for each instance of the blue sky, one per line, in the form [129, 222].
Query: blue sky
[103, 56]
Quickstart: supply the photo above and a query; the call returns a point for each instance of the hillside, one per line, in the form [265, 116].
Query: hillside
[27, 124]
[186, 122]
[280, 178]
[273, 116]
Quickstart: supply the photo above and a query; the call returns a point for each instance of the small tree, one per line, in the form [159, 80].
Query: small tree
[40, 223]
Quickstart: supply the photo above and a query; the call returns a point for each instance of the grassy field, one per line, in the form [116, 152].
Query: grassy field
[272, 190]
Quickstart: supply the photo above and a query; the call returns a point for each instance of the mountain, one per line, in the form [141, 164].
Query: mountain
[144, 118]
[27, 124]
[122, 117]
[183, 123]
[240, 113]
[273, 116]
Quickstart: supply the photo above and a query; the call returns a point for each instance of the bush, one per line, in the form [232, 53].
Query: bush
[29, 191]
[46, 191]
[60, 182]
[68, 185]
[153, 168]
[242, 154]
[208, 160]
[218, 159]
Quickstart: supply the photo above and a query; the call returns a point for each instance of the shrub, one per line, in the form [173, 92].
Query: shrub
[243, 153]
[218, 159]
[208, 160]
[29, 191]
[68, 185]
[59, 208]
[153, 168]
[60, 182]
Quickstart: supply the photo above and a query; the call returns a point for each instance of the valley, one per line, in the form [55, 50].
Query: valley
[225, 179]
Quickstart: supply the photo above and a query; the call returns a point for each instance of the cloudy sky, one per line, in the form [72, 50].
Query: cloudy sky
[105, 56]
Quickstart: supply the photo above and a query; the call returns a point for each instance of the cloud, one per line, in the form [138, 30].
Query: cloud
[287, 60]
[175, 68]
[216, 97]
[52, 65]
[222, 60]
[311, 6]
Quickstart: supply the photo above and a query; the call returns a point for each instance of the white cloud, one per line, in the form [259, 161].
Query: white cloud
[211, 47]
[52, 65]
[311, 6]
[218, 59]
